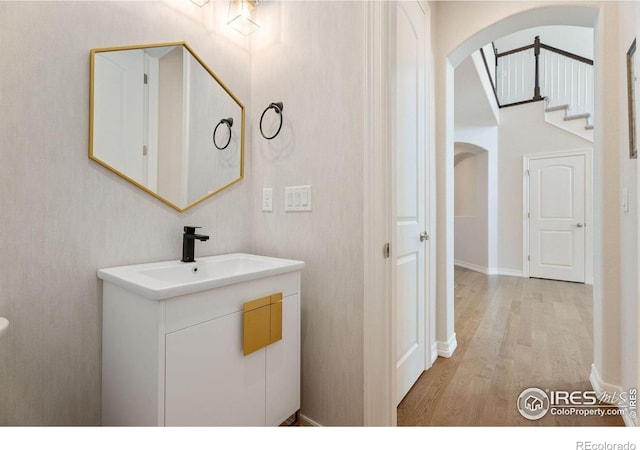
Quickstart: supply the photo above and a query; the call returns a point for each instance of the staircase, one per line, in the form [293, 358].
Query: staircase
[539, 72]
[577, 123]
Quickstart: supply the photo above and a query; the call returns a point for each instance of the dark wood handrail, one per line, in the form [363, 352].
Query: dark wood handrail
[493, 85]
[546, 47]
[536, 46]
[567, 54]
[515, 50]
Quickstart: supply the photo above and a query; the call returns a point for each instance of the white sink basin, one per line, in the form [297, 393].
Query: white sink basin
[173, 278]
[4, 324]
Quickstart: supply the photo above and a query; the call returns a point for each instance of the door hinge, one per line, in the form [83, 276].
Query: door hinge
[386, 250]
[528, 215]
[528, 172]
[529, 258]
[145, 150]
[146, 79]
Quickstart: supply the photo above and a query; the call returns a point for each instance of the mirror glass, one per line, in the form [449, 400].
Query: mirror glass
[161, 119]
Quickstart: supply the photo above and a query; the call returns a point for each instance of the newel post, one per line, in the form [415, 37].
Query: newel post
[536, 53]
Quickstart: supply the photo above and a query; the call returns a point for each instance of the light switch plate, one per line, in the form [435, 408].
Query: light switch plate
[297, 199]
[625, 200]
[267, 199]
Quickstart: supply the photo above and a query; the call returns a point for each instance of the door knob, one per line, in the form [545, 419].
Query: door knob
[424, 236]
[579, 225]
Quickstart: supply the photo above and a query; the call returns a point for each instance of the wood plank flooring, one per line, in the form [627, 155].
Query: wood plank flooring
[513, 333]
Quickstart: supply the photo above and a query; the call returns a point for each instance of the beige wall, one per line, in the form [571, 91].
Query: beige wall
[629, 223]
[472, 207]
[312, 59]
[63, 216]
[523, 132]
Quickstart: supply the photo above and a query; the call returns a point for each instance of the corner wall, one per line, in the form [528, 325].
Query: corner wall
[629, 223]
[311, 57]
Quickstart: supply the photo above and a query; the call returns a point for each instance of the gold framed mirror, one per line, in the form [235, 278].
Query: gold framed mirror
[161, 119]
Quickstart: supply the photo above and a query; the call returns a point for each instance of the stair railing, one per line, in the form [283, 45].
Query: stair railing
[539, 71]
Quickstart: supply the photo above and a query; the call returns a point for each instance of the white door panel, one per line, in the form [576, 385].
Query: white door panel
[410, 144]
[557, 223]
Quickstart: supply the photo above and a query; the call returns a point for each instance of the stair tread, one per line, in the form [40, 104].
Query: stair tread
[556, 108]
[578, 116]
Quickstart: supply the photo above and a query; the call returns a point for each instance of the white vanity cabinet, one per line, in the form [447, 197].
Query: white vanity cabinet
[179, 361]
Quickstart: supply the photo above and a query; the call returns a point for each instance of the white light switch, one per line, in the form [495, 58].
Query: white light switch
[298, 199]
[625, 200]
[267, 199]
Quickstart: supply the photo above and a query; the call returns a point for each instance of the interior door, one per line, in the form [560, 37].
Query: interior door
[557, 218]
[410, 148]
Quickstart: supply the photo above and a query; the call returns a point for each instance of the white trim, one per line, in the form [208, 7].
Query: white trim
[446, 349]
[474, 267]
[588, 208]
[379, 327]
[525, 217]
[490, 270]
[599, 385]
[308, 421]
[434, 353]
[511, 273]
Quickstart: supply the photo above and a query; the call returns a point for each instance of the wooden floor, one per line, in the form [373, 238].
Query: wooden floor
[513, 333]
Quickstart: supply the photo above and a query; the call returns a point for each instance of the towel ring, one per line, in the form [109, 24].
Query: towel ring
[278, 106]
[229, 123]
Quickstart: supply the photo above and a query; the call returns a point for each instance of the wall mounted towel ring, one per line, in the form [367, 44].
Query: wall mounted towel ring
[229, 123]
[278, 107]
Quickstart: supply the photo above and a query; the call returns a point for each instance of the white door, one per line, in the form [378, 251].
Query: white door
[118, 110]
[410, 145]
[557, 218]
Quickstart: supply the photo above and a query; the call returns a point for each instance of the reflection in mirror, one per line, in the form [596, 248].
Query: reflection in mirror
[154, 110]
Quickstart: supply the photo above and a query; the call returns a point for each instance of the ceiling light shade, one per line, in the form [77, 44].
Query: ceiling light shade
[240, 16]
[200, 3]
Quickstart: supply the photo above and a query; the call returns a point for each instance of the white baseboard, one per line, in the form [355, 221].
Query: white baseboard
[434, 353]
[599, 385]
[309, 422]
[510, 273]
[474, 267]
[489, 270]
[446, 349]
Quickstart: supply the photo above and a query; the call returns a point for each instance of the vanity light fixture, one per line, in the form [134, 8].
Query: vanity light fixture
[240, 19]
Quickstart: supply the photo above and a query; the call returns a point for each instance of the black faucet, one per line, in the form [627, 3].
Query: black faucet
[188, 240]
